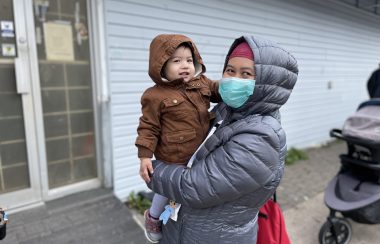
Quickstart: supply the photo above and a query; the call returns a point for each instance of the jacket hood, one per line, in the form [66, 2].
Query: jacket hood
[276, 74]
[162, 48]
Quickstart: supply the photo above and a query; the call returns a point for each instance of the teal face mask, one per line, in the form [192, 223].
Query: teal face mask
[235, 91]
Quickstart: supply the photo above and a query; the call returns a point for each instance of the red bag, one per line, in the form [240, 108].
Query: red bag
[271, 223]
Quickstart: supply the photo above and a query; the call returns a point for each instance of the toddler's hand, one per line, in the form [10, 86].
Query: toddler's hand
[146, 169]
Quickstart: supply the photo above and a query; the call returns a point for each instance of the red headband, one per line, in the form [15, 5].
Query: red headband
[242, 50]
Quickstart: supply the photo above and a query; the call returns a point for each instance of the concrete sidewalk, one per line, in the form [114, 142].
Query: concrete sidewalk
[91, 217]
[301, 195]
[305, 220]
[97, 217]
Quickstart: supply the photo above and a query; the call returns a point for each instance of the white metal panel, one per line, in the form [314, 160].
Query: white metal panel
[336, 47]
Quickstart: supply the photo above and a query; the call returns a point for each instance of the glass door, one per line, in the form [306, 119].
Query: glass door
[47, 115]
[19, 175]
[66, 88]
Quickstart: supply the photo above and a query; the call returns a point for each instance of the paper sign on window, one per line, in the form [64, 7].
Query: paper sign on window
[7, 29]
[8, 49]
[58, 41]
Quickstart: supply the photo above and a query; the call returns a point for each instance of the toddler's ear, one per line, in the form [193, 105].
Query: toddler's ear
[162, 73]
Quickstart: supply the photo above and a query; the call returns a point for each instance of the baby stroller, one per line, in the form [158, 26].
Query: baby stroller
[3, 223]
[355, 190]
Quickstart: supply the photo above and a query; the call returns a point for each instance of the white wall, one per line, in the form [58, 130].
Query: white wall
[332, 42]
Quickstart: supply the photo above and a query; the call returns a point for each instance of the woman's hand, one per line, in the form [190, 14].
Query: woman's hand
[146, 169]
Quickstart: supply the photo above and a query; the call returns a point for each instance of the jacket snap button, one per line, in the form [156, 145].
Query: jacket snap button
[198, 84]
[175, 101]
[181, 138]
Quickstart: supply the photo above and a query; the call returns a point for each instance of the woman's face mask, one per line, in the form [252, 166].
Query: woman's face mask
[238, 81]
[236, 91]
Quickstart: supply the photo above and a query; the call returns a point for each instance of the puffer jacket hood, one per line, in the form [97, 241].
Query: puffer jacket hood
[276, 74]
[162, 48]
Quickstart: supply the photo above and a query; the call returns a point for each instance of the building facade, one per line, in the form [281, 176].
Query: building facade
[72, 73]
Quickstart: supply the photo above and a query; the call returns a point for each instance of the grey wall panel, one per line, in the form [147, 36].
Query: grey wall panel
[337, 47]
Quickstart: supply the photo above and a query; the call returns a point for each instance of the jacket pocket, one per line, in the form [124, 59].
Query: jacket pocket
[181, 136]
[173, 102]
[175, 109]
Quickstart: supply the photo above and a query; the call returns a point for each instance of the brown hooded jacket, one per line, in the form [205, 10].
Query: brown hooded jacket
[175, 117]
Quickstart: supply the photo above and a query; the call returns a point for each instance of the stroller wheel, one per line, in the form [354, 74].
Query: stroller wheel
[335, 231]
[3, 231]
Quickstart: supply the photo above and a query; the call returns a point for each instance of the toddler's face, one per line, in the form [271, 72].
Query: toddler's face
[180, 65]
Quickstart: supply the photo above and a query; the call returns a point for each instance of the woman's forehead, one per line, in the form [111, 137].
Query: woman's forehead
[240, 63]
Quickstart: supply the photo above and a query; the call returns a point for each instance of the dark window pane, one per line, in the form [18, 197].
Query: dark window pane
[57, 150]
[16, 178]
[13, 153]
[59, 174]
[56, 125]
[85, 168]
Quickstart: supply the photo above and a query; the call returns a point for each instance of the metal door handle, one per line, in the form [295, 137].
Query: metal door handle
[22, 40]
[22, 79]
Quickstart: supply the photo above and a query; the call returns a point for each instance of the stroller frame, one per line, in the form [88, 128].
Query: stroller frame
[359, 159]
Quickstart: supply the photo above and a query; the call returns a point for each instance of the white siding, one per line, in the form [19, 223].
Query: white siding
[333, 44]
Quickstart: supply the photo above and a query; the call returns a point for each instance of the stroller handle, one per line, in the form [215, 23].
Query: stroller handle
[337, 133]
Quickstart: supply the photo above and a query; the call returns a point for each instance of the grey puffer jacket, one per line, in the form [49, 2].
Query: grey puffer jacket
[239, 167]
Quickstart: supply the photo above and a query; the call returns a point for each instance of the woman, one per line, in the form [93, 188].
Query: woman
[240, 166]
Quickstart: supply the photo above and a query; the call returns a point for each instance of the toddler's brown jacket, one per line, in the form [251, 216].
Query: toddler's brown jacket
[175, 117]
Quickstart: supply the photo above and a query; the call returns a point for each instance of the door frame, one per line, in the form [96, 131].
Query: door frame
[28, 85]
[59, 192]
[101, 94]
[31, 196]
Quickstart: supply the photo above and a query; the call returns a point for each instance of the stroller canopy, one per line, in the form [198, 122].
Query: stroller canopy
[365, 123]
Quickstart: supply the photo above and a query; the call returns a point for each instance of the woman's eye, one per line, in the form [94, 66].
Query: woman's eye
[190, 61]
[246, 74]
[229, 71]
[176, 60]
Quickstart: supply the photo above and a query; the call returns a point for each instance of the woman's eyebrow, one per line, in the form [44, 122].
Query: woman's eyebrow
[245, 68]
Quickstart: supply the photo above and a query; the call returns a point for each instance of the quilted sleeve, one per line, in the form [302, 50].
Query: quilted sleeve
[232, 168]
